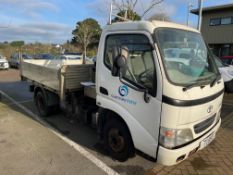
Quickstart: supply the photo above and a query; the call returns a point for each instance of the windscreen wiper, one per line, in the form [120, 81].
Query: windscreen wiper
[189, 87]
[193, 85]
[218, 77]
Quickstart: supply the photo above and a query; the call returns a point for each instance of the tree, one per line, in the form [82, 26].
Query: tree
[86, 32]
[17, 43]
[129, 15]
[130, 5]
[160, 17]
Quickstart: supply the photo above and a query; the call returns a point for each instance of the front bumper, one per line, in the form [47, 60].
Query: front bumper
[170, 157]
[4, 66]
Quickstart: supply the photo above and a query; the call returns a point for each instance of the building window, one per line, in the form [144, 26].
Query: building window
[215, 22]
[226, 21]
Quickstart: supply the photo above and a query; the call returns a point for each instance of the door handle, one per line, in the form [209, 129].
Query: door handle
[103, 91]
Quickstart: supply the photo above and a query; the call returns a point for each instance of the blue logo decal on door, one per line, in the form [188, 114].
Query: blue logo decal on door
[123, 90]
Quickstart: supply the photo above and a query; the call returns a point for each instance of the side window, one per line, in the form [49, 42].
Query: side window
[226, 21]
[141, 68]
[215, 21]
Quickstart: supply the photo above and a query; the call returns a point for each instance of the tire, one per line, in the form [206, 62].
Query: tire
[23, 78]
[117, 140]
[41, 104]
[230, 87]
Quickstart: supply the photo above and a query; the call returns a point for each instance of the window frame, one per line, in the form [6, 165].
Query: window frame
[153, 91]
[215, 19]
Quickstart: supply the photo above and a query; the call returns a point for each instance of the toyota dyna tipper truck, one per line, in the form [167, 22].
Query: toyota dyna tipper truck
[154, 88]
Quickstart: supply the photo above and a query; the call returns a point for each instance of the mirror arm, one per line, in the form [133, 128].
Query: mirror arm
[146, 93]
[127, 84]
[146, 96]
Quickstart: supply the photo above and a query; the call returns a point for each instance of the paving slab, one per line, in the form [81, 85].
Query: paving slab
[29, 148]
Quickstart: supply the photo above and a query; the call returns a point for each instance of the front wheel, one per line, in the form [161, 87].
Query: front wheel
[117, 140]
[229, 87]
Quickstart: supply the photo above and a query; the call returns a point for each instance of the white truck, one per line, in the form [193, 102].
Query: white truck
[137, 97]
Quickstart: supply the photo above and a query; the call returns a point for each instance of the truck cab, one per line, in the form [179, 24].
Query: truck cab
[167, 107]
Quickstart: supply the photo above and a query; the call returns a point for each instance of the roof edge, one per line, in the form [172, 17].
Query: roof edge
[213, 8]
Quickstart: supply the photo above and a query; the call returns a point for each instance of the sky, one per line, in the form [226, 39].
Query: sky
[52, 21]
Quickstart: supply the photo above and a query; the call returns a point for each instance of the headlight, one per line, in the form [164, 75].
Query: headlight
[170, 138]
[218, 115]
[6, 65]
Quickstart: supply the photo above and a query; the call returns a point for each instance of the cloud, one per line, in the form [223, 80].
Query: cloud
[39, 31]
[27, 20]
[28, 8]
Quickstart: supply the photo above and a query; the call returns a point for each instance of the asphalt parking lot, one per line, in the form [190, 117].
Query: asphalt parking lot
[216, 158]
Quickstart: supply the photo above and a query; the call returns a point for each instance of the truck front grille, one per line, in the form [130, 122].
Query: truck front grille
[198, 128]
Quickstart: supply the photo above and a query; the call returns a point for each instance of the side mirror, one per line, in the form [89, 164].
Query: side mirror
[119, 66]
[119, 62]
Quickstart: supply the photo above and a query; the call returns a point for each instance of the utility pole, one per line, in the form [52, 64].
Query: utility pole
[110, 15]
[115, 15]
[200, 5]
[190, 6]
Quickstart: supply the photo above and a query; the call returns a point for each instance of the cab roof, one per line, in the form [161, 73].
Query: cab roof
[149, 26]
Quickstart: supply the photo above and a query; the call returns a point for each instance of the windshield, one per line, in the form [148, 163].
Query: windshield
[186, 58]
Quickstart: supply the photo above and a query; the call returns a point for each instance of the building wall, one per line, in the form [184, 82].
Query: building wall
[222, 34]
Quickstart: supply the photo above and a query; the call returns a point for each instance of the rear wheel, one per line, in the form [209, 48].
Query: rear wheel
[117, 140]
[41, 104]
[23, 78]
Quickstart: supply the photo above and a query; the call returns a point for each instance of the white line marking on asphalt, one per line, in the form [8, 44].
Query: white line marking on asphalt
[21, 102]
[88, 155]
[76, 146]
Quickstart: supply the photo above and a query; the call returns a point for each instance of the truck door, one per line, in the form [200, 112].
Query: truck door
[142, 118]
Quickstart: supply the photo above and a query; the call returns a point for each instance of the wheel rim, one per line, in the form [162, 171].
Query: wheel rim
[116, 140]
